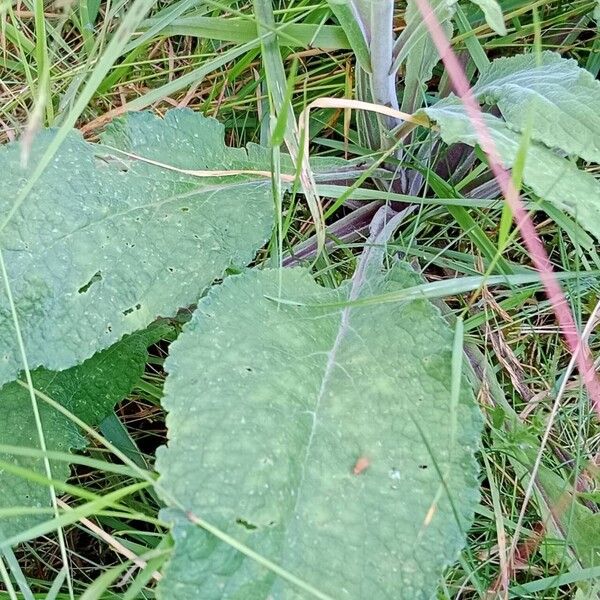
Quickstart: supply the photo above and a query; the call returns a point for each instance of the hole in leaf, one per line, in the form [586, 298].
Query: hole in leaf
[245, 524]
[128, 311]
[95, 277]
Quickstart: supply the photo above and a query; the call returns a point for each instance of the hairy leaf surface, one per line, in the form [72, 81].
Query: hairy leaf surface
[560, 99]
[550, 176]
[89, 391]
[105, 242]
[317, 436]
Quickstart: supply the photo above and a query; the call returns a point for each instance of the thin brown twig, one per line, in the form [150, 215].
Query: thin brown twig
[112, 542]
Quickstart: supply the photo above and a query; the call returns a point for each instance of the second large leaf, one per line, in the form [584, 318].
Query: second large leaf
[106, 241]
[324, 437]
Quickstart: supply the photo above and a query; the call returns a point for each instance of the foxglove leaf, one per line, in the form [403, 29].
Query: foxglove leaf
[554, 96]
[417, 51]
[552, 177]
[353, 15]
[106, 242]
[317, 435]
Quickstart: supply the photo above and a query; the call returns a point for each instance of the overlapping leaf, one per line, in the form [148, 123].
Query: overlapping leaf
[318, 436]
[89, 391]
[553, 95]
[106, 242]
[553, 178]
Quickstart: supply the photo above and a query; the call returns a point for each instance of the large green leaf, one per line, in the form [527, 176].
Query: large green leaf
[90, 391]
[553, 178]
[266, 440]
[105, 242]
[559, 99]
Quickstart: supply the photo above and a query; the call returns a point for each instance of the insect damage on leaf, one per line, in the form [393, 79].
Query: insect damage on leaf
[122, 240]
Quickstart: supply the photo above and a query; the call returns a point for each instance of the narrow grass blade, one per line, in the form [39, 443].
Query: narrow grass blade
[17, 573]
[441, 289]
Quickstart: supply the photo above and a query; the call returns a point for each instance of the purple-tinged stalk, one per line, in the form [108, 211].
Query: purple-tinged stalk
[523, 222]
[348, 229]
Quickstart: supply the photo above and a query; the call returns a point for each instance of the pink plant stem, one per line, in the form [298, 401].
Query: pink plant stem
[524, 224]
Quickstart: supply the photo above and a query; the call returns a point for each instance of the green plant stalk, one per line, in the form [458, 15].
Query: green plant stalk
[43, 61]
[299, 35]
[159, 25]
[383, 78]
[67, 457]
[278, 127]
[353, 19]
[591, 574]
[16, 36]
[86, 26]
[471, 41]
[282, 109]
[24, 46]
[100, 586]
[75, 514]
[275, 73]
[435, 290]
[154, 563]
[15, 569]
[56, 585]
